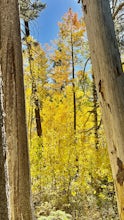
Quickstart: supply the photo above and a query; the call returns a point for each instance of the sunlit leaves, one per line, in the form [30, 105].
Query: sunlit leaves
[67, 170]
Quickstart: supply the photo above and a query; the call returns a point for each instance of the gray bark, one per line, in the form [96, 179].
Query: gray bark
[109, 80]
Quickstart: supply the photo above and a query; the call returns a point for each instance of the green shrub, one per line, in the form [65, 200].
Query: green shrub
[57, 215]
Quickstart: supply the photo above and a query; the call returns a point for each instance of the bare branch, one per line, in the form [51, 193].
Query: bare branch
[85, 66]
[118, 9]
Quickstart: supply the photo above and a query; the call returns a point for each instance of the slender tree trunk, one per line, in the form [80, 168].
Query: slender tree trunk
[27, 31]
[109, 80]
[14, 106]
[95, 105]
[73, 84]
[38, 118]
[34, 87]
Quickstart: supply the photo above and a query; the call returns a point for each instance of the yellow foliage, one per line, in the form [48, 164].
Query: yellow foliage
[64, 160]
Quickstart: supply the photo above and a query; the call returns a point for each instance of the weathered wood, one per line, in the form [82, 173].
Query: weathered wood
[109, 80]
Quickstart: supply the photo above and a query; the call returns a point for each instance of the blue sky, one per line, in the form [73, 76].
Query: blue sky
[45, 28]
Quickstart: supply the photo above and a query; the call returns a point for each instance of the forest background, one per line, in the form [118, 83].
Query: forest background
[70, 170]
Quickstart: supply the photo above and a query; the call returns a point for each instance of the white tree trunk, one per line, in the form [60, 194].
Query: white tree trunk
[109, 80]
[14, 106]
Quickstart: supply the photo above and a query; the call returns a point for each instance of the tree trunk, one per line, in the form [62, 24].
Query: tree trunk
[95, 106]
[14, 107]
[73, 84]
[109, 80]
[3, 171]
[27, 31]
[34, 87]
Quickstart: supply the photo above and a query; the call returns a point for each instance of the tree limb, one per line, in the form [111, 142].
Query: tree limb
[117, 10]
